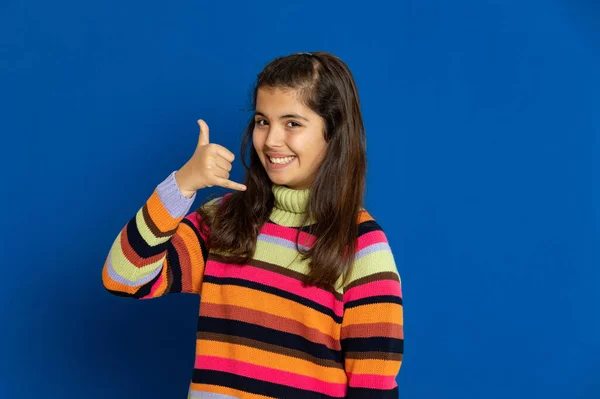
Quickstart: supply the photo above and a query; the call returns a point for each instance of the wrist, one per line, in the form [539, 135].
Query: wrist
[181, 179]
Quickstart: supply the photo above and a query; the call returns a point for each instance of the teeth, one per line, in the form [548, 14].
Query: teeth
[282, 160]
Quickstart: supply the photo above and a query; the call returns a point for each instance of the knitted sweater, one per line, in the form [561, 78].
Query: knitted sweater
[261, 333]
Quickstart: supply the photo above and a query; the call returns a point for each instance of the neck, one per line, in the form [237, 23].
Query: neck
[291, 206]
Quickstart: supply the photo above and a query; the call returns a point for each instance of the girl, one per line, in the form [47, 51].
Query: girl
[300, 295]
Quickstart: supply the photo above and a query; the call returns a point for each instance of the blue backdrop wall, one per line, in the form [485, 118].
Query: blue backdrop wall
[483, 129]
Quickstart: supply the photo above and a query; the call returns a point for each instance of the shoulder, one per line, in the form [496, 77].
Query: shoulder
[370, 232]
[366, 223]
[373, 256]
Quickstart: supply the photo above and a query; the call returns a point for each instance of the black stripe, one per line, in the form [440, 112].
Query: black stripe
[374, 299]
[267, 335]
[139, 245]
[252, 385]
[275, 291]
[146, 289]
[373, 344]
[174, 268]
[310, 229]
[368, 226]
[369, 393]
[203, 247]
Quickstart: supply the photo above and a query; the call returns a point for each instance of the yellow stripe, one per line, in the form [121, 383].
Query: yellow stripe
[125, 268]
[287, 257]
[113, 285]
[280, 255]
[375, 262]
[146, 233]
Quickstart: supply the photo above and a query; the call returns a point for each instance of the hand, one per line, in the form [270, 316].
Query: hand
[209, 166]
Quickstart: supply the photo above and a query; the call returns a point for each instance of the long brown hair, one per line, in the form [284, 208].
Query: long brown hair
[327, 87]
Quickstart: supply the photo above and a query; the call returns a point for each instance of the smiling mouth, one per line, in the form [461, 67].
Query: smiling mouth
[281, 161]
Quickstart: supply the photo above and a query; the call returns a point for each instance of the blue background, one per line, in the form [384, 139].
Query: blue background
[483, 129]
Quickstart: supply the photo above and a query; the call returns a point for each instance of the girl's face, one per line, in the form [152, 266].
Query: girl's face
[288, 138]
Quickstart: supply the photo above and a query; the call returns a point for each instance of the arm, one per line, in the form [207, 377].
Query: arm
[372, 327]
[160, 250]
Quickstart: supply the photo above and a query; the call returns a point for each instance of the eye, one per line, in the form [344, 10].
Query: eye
[294, 124]
[259, 122]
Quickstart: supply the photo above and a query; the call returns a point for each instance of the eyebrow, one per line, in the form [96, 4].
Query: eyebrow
[283, 116]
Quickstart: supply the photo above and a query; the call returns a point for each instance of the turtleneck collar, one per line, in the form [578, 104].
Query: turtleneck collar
[290, 206]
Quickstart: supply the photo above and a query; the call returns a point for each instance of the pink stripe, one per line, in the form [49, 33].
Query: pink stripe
[194, 218]
[272, 279]
[270, 375]
[288, 233]
[372, 381]
[373, 237]
[154, 287]
[374, 288]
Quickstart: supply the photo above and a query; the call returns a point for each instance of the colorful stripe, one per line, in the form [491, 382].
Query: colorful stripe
[261, 332]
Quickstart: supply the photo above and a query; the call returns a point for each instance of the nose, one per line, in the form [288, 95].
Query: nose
[275, 137]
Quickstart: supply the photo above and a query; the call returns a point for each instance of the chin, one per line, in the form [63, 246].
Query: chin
[279, 181]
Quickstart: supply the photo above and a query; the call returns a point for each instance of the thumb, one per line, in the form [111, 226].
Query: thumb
[204, 137]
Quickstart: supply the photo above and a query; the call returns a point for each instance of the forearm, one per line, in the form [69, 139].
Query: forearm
[159, 250]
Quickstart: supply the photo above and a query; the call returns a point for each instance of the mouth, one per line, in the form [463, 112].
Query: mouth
[274, 163]
[281, 160]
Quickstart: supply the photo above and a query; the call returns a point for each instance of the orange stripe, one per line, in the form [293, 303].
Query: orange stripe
[227, 391]
[374, 313]
[364, 216]
[159, 214]
[373, 366]
[184, 263]
[272, 304]
[194, 262]
[270, 359]
[113, 285]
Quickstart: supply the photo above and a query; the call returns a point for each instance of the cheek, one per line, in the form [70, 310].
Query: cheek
[315, 149]
[320, 152]
[299, 146]
[257, 141]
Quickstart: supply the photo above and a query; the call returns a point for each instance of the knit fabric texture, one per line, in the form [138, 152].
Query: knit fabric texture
[261, 332]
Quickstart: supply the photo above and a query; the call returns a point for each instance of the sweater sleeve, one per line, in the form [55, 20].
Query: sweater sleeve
[372, 335]
[160, 250]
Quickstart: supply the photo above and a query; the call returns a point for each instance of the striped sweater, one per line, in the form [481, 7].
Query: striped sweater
[261, 333]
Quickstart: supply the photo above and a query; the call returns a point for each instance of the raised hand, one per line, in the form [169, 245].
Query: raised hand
[209, 166]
